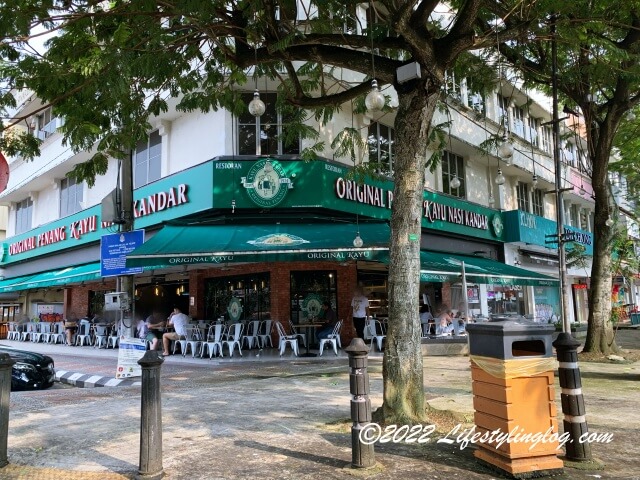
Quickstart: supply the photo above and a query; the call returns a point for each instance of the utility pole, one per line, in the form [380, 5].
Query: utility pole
[125, 282]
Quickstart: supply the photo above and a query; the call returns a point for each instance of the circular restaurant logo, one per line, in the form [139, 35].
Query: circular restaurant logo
[234, 309]
[266, 183]
[278, 240]
[496, 223]
[312, 304]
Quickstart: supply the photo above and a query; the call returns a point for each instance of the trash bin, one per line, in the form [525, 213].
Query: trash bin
[512, 372]
[635, 319]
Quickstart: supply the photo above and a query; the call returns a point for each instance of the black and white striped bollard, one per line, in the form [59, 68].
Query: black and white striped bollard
[575, 422]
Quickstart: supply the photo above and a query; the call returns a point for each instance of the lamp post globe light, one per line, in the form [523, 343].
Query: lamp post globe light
[256, 105]
[374, 101]
[455, 182]
[500, 178]
[505, 150]
[357, 242]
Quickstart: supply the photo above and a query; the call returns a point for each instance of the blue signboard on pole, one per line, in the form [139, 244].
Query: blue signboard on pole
[113, 252]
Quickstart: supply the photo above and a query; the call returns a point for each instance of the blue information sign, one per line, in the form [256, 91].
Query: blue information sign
[113, 252]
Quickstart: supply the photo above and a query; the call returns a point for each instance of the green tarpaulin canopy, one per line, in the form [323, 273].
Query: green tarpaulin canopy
[445, 267]
[53, 278]
[219, 244]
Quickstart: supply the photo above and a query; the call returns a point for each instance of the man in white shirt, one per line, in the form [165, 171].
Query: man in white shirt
[179, 321]
[360, 306]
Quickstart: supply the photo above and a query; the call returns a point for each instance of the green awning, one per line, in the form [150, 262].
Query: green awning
[54, 278]
[445, 267]
[219, 244]
[8, 284]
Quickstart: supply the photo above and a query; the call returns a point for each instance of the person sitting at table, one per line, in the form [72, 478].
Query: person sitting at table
[425, 319]
[70, 328]
[443, 321]
[179, 321]
[155, 326]
[330, 320]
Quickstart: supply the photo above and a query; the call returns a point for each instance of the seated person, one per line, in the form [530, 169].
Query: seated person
[71, 327]
[179, 321]
[142, 329]
[330, 320]
[155, 325]
[444, 327]
[425, 319]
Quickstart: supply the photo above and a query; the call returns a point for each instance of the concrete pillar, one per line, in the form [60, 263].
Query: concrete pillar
[362, 454]
[5, 391]
[151, 418]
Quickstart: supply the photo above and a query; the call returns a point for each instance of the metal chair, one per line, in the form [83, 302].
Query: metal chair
[13, 333]
[265, 336]
[101, 336]
[213, 342]
[294, 331]
[84, 333]
[234, 337]
[376, 332]
[193, 341]
[251, 336]
[29, 329]
[57, 333]
[333, 338]
[285, 339]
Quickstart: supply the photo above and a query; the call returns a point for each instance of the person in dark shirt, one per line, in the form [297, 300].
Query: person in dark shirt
[330, 320]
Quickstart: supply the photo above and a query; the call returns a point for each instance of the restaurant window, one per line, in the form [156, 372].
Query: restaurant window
[537, 202]
[24, 213]
[523, 197]
[453, 166]
[308, 290]
[452, 85]
[71, 194]
[380, 141]
[251, 292]
[147, 160]
[264, 135]
[505, 299]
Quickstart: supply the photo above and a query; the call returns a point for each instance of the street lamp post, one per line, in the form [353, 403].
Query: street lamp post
[575, 422]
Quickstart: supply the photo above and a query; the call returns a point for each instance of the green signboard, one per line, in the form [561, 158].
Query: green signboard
[175, 196]
[295, 184]
[528, 228]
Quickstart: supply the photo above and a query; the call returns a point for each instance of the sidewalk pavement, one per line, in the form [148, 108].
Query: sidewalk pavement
[277, 418]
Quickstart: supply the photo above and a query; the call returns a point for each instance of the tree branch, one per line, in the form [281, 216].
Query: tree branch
[336, 99]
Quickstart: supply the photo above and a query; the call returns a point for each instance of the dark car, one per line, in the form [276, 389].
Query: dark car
[32, 371]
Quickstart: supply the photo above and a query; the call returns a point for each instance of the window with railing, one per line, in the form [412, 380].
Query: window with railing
[24, 213]
[502, 111]
[532, 131]
[71, 193]
[537, 202]
[518, 121]
[546, 142]
[575, 215]
[452, 85]
[522, 190]
[453, 167]
[264, 135]
[475, 98]
[380, 141]
[147, 160]
[569, 154]
[45, 124]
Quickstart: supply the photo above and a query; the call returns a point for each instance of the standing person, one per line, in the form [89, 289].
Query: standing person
[360, 306]
[71, 327]
[179, 321]
[330, 320]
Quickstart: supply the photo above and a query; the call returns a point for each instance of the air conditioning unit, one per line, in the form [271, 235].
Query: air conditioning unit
[116, 301]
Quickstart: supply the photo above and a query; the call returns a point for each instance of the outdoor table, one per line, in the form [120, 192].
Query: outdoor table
[308, 328]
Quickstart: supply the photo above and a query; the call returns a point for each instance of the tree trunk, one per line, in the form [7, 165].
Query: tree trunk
[402, 364]
[600, 336]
